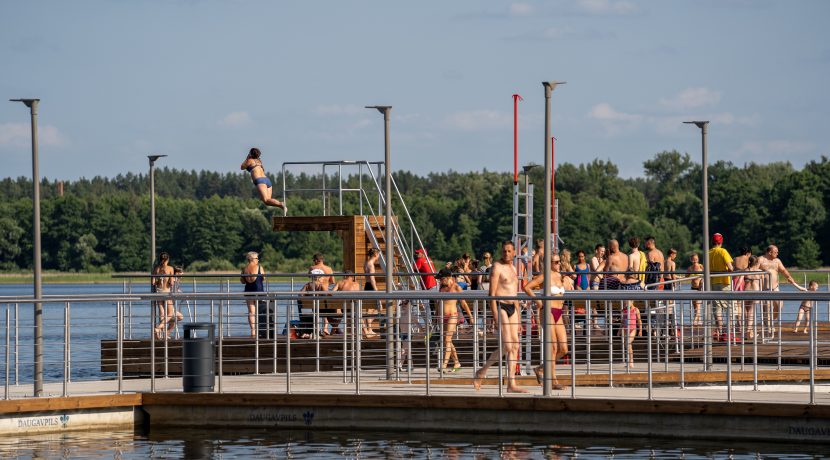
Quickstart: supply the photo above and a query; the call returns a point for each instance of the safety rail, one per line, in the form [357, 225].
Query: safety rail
[671, 342]
[404, 245]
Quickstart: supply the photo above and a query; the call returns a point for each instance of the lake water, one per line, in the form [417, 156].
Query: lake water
[275, 443]
[94, 321]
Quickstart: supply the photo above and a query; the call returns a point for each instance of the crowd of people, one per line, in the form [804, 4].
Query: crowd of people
[607, 268]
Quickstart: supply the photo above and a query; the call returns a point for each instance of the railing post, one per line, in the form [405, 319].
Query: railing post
[221, 340]
[756, 312]
[315, 313]
[589, 327]
[119, 320]
[609, 325]
[16, 344]
[153, 345]
[730, 337]
[65, 349]
[359, 340]
[440, 343]
[573, 349]
[501, 358]
[344, 324]
[8, 342]
[812, 324]
[683, 344]
[650, 379]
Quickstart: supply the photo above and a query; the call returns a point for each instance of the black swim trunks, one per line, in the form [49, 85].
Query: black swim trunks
[610, 283]
[508, 307]
[631, 287]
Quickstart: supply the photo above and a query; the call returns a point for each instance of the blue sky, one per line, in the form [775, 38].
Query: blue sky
[203, 81]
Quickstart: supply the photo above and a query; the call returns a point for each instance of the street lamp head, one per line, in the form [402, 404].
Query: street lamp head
[28, 102]
[380, 108]
[527, 168]
[699, 124]
[153, 158]
[551, 85]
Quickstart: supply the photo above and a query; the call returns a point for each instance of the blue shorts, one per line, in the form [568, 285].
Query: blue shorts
[263, 180]
[631, 287]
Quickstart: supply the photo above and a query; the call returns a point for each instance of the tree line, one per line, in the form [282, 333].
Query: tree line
[208, 220]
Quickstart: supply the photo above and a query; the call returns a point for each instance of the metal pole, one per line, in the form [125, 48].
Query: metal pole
[8, 324]
[707, 322]
[152, 215]
[65, 349]
[390, 262]
[119, 321]
[547, 363]
[38, 307]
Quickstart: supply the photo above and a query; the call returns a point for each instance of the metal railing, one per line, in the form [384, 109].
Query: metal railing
[670, 344]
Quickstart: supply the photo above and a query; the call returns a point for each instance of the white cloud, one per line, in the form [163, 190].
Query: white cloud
[606, 7]
[20, 135]
[336, 110]
[520, 9]
[604, 112]
[479, 120]
[692, 98]
[235, 119]
[613, 121]
[778, 148]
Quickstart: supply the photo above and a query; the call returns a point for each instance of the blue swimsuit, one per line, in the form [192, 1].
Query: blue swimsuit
[260, 180]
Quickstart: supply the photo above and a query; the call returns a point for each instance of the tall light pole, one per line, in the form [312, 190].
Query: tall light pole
[38, 308]
[547, 362]
[390, 261]
[704, 128]
[153, 159]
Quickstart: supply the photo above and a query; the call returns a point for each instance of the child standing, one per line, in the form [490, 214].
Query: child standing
[805, 308]
[632, 326]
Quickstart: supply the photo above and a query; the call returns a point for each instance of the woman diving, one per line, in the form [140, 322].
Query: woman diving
[253, 165]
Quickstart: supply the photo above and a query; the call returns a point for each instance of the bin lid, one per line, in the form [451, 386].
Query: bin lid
[206, 326]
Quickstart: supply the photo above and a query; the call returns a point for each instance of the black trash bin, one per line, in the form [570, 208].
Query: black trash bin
[197, 358]
[267, 318]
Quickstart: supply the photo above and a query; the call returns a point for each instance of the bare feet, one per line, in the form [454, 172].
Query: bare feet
[284, 209]
[477, 380]
[557, 386]
[515, 389]
[540, 374]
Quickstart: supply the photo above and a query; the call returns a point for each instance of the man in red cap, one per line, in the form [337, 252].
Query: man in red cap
[719, 262]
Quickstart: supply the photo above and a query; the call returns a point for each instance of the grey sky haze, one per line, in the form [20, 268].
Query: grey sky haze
[203, 81]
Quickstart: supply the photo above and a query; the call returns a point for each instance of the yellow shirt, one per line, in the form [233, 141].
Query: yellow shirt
[718, 260]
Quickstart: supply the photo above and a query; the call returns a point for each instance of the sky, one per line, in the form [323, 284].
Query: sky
[203, 81]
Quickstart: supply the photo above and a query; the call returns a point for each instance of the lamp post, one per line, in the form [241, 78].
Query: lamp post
[390, 344]
[38, 308]
[547, 362]
[704, 129]
[153, 159]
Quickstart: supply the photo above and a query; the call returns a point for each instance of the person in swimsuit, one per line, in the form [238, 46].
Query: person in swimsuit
[504, 281]
[751, 283]
[308, 304]
[770, 263]
[450, 312]
[163, 283]
[253, 164]
[632, 278]
[697, 285]
[597, 265]
[559, 284]
[632, 325]
[805, 308]
[741, 263]
[348, 283]
[615, 267]
[371, 284]
[254, 282]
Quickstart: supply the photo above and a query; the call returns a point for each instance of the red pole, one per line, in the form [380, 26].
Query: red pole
[516, 99]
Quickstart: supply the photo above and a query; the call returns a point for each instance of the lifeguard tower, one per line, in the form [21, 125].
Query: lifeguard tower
[353, 205]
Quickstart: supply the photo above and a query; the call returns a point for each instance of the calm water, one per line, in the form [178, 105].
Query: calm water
[232, 444]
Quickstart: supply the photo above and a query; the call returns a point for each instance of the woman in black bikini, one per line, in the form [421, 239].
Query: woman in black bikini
[253, 165]
[559, 283]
